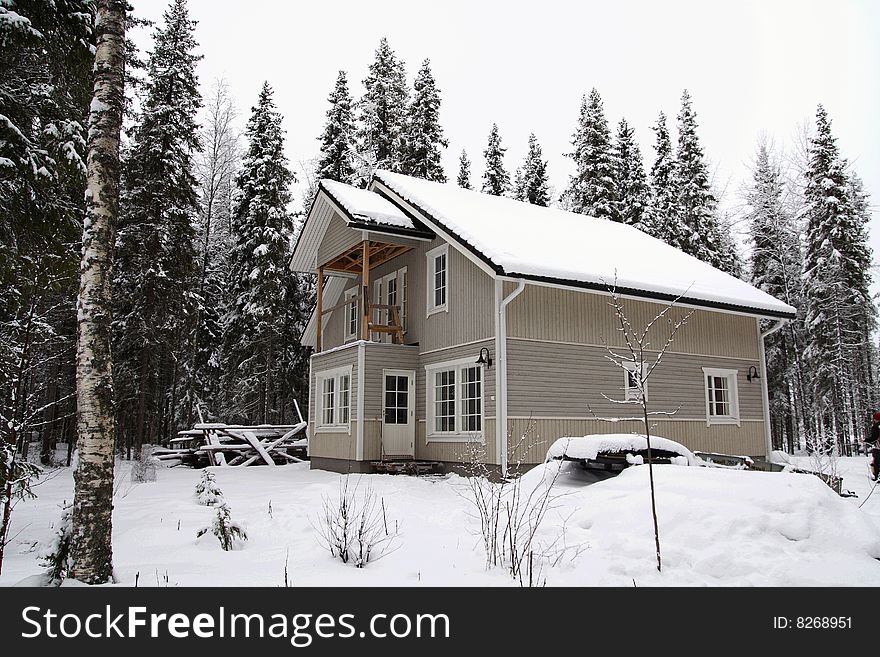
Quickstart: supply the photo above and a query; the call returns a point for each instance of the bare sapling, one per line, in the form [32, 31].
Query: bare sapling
[638, 357]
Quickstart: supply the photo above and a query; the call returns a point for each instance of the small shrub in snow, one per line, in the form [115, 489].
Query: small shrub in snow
[227, 530]
[207, 490]
[56, 554]
[143, 468]
[355, 528]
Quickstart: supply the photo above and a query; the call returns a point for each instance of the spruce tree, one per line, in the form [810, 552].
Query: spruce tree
[839, 312]
[698, 206]
[633, 202]
[592, 189]
[776, 264]
[533, 185]
[665, 217]
[156, 268]
[338, 138]
[464, 171]
[257, 349]
[383, 110]
[424, 136]
[496, 180]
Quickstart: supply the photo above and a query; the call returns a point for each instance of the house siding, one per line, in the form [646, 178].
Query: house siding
[334, 445]
[338, 238]
[529, 439]
[559, 315]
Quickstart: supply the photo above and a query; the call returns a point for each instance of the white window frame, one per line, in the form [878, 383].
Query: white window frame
[380, 294]
[351, 293]
[732, 377]
[432, 256]
[630, 393]
[336, 374]
[457, 436]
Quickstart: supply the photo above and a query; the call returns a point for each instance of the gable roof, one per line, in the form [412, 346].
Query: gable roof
[361, 209]
[549, 245]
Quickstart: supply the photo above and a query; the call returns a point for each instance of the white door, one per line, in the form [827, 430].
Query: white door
[398, 414]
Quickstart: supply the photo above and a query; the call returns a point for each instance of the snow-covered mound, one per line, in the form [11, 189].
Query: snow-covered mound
[717, 527]
[588, 447]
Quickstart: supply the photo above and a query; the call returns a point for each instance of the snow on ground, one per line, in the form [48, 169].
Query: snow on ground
[717, 527]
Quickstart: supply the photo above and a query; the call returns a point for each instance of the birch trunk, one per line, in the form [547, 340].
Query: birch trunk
[92, 550]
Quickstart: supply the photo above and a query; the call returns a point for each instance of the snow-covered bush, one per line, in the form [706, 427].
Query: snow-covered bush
[355, 528]
[208, 492]
[56, 554]
[227, 530]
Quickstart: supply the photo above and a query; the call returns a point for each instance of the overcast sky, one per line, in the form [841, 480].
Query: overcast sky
[752, 68]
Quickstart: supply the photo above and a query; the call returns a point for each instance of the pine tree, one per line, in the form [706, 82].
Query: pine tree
[839, 312]
[464, 171]
[532, 184]
[776, 264]
[338, 138]
[592, 189]
[633, 202]
[156, 269]
[698, 206]
[665, 218]
[257, 348]
[496, 180]
[424, 136]
[383, 110]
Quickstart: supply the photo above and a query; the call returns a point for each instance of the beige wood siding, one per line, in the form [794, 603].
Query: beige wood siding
[546, 313]
[471, 302]
[566, 380]
[456, 353]
[337, 238]
[534, 437]
[334, 444]
[378, 357]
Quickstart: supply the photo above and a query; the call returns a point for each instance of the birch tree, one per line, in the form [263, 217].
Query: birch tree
[92, 552]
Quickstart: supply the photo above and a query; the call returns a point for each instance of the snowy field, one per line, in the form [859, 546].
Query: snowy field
[717, 528]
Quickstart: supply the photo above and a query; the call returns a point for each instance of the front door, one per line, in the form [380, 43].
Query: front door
[398, 414]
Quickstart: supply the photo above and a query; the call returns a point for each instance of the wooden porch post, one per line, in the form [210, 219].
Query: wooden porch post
[319, 319]
[365, 280]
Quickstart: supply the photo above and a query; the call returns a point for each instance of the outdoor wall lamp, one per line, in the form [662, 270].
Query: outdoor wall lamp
[752, 374]
[484, 358]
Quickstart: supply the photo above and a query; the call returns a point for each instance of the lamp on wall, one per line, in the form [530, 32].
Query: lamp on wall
[484, 358]
[752, 374]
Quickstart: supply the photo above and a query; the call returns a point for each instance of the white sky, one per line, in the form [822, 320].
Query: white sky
[752, 67]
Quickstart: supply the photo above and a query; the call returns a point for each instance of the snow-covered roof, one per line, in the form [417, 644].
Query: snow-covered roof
[547, 244]
[367, 206]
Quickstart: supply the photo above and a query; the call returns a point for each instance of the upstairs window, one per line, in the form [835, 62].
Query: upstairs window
[630, 382]
[351, 314]
[438, 279]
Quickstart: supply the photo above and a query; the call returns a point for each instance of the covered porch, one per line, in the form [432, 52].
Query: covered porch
[355, 261]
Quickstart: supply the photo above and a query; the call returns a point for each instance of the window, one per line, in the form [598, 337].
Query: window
[396, 399]
[334, 399]
[630, 383]
[438, 279]
[351, 314]
[389, 290]
[722, 396]
[455, 401]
